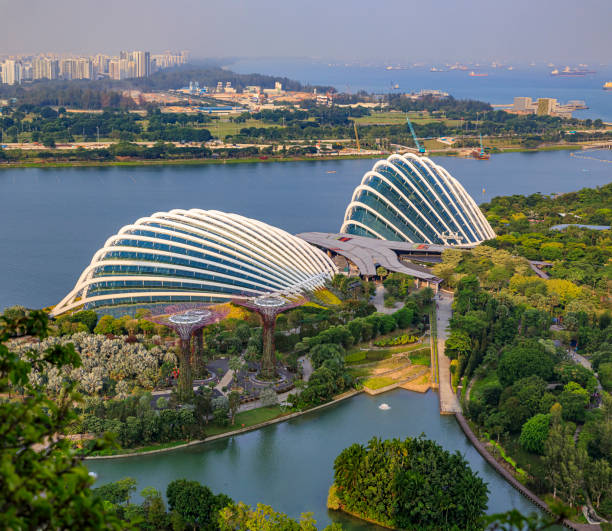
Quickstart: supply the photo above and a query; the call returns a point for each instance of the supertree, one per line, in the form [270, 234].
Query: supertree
[187, 323]
[268, 307]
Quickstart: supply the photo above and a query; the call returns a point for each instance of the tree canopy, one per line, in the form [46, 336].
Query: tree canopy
[410, 484]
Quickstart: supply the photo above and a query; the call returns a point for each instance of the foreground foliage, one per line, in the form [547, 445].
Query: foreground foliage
[43, 484]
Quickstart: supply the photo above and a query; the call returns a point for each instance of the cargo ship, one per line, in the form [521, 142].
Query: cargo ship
[570, 72]
[607, 85]
[478, 74]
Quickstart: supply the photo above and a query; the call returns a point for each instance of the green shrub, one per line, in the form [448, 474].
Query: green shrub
[534, 433]
[421, 356]
[355, 357]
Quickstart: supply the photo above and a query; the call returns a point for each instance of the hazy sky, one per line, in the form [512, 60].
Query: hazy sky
[384, 30]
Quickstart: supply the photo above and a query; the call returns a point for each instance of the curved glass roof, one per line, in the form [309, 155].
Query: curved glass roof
[196, 256]
[410, 198]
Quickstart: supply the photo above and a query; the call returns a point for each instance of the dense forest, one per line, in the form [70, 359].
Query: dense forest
[534, 352]
[576, 254]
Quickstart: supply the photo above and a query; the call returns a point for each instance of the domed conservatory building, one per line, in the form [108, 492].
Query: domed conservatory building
[410, 198]
[196, 256]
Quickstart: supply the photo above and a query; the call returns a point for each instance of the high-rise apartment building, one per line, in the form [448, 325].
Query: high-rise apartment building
[129, 64]
[143, 63]
[68, 69]
[45, 68]
[101, 64]
[114, 69]
[25, 72]
[11, 72]
[84, 68]
[127, 68]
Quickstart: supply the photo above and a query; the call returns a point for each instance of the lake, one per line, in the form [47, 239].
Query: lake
[52, 220]
[290, 465]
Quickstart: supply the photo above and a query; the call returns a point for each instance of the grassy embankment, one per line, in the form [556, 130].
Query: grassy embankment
[177, 162]
[380, 368]
[244, 419]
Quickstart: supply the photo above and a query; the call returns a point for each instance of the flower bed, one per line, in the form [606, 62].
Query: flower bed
[404, 339]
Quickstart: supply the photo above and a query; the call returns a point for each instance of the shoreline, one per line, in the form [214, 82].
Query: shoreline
[254, 160]
[476, 444]
[510, 479]
[239, 431]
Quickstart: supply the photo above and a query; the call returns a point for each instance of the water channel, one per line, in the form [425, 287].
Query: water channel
[290, 465]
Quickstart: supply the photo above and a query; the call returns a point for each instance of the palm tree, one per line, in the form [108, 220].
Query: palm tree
[236, 364]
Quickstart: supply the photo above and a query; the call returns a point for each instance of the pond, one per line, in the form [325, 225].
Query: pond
[290, 465]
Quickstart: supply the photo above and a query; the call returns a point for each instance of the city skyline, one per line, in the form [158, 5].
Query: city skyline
[126, 65]
[561, 31]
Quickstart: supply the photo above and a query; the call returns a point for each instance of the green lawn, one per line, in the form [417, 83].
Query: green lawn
[421, 356]
[356, 356]
[367, 356]
[359, 372]
[391, 118]
[378, 382]
[223, 127]
[246, 419]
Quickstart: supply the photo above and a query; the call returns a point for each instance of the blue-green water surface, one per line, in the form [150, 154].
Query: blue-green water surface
[290, 465]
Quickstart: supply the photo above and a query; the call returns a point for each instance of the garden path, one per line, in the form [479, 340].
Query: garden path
[449, 403]
[225, 381]
[379, 301]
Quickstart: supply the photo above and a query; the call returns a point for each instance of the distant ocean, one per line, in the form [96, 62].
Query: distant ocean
[499, 87]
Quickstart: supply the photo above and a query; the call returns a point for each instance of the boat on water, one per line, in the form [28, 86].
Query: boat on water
[478, 74]
[607, 85]
[331, 171]
[571, 72]
[480, 155]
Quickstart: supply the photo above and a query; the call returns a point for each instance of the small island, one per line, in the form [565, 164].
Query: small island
[410, 484]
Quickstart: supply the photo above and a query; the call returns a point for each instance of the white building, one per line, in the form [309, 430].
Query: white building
[11, 72]
[142, 61]
[45, 68]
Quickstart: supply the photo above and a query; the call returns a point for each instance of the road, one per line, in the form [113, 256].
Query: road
[449, 403]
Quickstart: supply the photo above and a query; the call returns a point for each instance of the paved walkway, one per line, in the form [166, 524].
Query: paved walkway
[448, 400]
[225, 381]
[379, 301]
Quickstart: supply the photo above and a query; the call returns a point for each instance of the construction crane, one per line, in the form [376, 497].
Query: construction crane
[482, 154]
[416, 141]
[356, 136]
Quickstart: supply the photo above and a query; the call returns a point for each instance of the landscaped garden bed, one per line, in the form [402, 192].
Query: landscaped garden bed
[404, 339]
